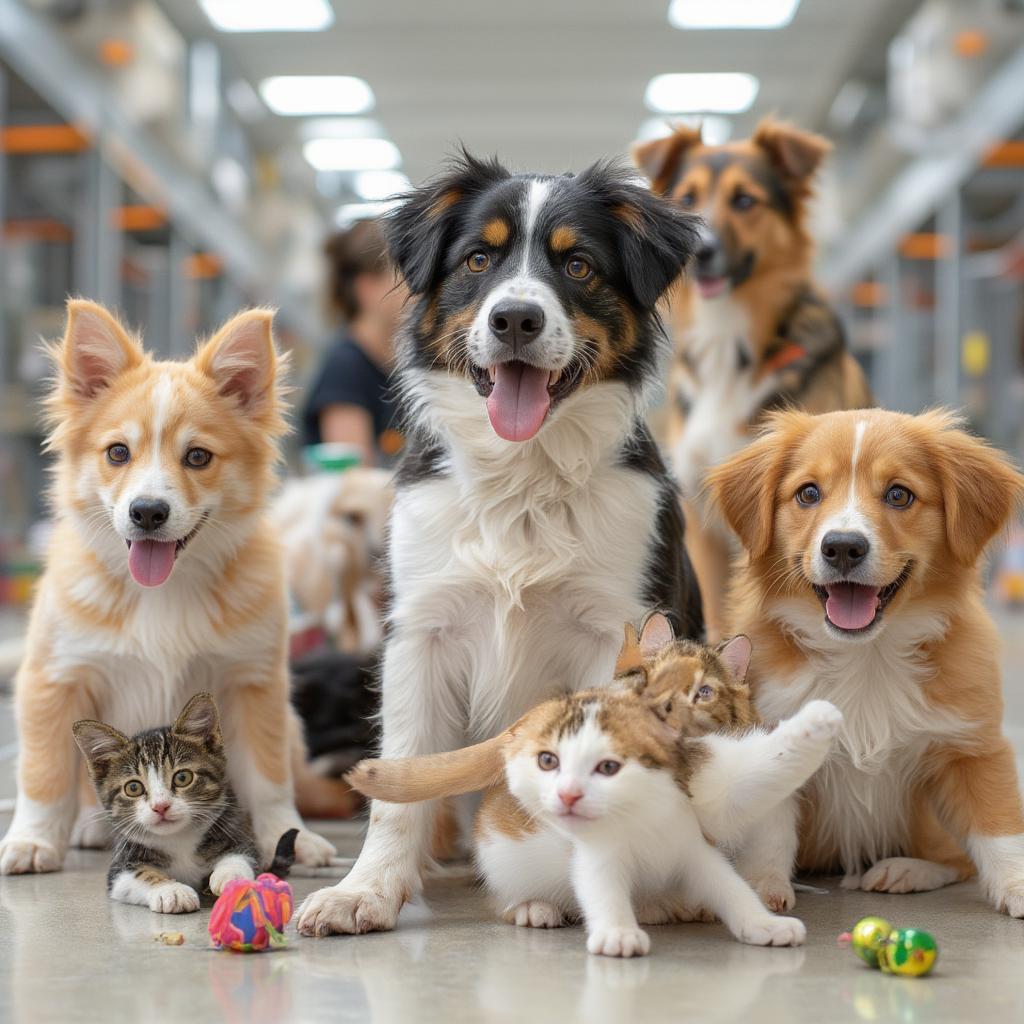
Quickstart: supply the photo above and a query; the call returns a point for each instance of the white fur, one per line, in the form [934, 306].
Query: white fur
[1000, 862]
[228, 869]
[722, 397]
[634, 839]
[512, 577]
[165, 898]
[888, 724]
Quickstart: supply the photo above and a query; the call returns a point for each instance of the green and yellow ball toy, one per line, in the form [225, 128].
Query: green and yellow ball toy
[909, 952]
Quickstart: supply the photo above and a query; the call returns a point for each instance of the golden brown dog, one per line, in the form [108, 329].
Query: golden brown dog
[750, 328]
[864, 533]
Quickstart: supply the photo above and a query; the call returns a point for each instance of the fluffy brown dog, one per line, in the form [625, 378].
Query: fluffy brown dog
[864, 533]
[750, 328]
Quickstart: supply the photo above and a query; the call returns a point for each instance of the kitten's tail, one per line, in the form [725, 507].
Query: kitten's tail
[284, 854]
[407, 780]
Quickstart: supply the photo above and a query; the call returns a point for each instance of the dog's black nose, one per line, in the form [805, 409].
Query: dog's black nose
[844, 550]
[149, 513]
[517, 323]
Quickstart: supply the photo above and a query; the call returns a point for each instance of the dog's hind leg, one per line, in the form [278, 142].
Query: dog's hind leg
[48, 763]
[421, 715]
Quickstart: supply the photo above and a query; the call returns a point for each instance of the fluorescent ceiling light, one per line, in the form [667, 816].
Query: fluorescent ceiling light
[349, 213]
[268, 15]
[340, 128]
[728, 92]
[352, 154]
[376, 185]
[731, 13]
[316, 94]
[714, 129]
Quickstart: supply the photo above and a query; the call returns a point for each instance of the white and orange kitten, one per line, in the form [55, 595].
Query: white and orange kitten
[597, 805]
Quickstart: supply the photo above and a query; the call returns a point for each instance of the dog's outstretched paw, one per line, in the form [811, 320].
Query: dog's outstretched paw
[29, 856]
[624, 942]
[348, 910]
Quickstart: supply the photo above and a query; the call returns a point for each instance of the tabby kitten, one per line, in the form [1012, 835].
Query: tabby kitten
[595, 806]
[175, 819]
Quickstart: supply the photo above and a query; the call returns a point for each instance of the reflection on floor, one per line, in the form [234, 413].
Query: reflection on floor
[68, 954]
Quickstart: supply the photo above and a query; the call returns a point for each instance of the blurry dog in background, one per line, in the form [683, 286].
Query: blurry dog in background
[163, 577]
[751, 331]
[864, 532]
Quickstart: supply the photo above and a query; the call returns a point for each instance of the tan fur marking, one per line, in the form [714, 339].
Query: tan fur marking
[495, 232]
[563, 238]
[150, 876]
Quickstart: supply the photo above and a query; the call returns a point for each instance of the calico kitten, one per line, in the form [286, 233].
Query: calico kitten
[595, 806]
[175, 819]
[718, 702]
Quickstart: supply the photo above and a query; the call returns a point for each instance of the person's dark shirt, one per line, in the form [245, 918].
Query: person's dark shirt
[350, 377]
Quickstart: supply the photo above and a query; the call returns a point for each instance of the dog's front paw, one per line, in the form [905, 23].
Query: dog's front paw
[174, 898]
[229, 869]
[346, 909]
[25, 856]
[1009, 898]
[775, 892]
[312, 850]
[534, 914]
[817, 723]
[907, 874]
[772, 931]
[618, 942]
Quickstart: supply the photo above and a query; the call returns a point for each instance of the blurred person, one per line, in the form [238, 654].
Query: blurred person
[351, 400]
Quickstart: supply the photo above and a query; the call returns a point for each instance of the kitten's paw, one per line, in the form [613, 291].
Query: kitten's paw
[174, 898]
[772, 931]
[817, 722]
[534, 914]
[618, 942]
[229, 869]
[907, 874]
[775, 892]
[349, 910]
[312, 850]
[29, 856]
[91, 831]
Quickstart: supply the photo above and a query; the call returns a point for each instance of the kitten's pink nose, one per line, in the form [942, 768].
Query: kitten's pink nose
[569, 796]
[160, 807]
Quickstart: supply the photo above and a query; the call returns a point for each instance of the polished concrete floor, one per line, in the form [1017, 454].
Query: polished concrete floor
[68, 954]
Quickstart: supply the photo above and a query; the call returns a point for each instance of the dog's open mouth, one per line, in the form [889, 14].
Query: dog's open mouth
[519, 396]
[150, 561]
[855, 607]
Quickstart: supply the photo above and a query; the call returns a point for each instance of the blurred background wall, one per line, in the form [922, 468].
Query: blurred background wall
[178, 159]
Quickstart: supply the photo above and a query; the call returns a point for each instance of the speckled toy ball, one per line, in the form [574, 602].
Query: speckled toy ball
[868, 938]
[909, 952]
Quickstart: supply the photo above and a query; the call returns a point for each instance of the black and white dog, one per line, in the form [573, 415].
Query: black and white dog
[533, 514]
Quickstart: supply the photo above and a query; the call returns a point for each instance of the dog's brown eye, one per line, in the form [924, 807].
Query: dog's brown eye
[577, 268]
[607, 767]
[743, 201]
[898, 497]
[478, 261]
[687, 199]
[808, 495]
[134, 788]
[183, 778]
[547, 761]
[197, 458]
[118, 454]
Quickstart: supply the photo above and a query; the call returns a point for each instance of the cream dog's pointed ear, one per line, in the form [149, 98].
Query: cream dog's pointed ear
[242, 359]
[95, 350]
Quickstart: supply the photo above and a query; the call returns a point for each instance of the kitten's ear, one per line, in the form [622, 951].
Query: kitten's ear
[98, 741]
[735, 654]
[199, 719]
[630, 658]
[656, 633]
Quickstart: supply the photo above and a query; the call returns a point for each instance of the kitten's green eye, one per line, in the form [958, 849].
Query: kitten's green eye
[607, 767]
[134, 788]
[547, 761]
[183, 778]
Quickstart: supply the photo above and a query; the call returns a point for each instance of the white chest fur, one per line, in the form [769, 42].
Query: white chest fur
[525, 558]
[722, 395]
[863, 791]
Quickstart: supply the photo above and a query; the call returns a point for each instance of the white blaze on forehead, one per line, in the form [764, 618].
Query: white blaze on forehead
[851, 517]
[536, 196]
[163, 406]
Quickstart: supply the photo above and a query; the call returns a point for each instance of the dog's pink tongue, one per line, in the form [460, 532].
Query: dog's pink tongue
[851, 605]
[519, 401]
[150, 561]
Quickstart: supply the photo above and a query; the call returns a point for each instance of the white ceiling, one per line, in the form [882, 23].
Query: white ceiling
[545, 84]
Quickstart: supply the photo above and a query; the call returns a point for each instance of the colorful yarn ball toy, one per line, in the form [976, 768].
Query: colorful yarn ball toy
[909, 952]
[250, 917]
